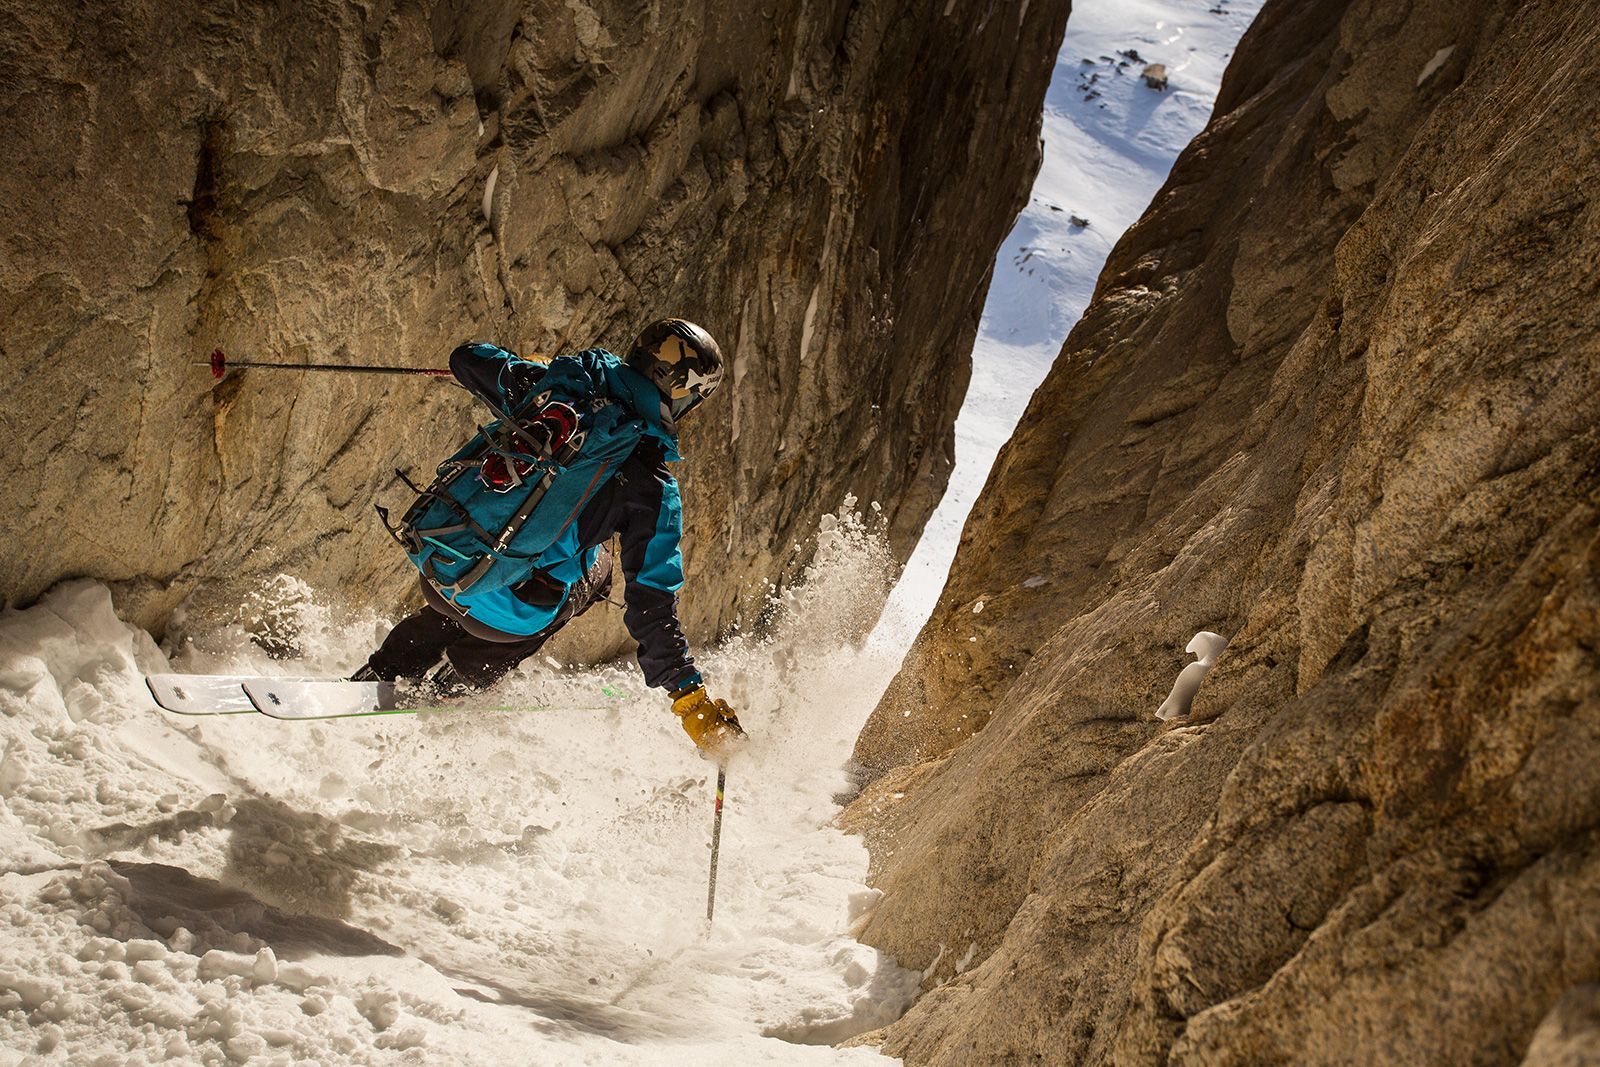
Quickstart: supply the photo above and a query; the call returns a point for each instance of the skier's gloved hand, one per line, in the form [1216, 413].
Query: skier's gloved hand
[711, 724]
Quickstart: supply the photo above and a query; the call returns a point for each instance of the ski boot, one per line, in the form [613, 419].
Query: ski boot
[445, 684]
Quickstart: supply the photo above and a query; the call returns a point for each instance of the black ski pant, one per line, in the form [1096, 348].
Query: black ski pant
[480, 654]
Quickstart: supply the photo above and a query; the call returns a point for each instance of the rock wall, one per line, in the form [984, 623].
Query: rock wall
[820, 184]
[1337, 398]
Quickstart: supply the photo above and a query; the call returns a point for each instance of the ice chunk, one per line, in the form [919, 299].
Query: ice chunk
[1206, 645]
[142, 949]
[102, 948]
[29, 990]
[406, 1038]
[243, 1048]
[13, 775]
[299, 977]
[220, 964]
[150, 972]
[380, 1007]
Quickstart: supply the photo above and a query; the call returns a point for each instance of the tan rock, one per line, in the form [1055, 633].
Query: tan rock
[1337, 400]
[822, 189]
[1570, 1034]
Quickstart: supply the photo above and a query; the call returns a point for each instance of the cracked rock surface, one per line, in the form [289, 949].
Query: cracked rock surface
[822, 186]
[1336, 399]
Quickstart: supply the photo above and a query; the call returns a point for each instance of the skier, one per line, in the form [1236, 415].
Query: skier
[550, 417]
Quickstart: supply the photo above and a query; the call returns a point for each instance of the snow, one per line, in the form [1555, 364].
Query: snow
[1109, 141]
[1207, 646]
[1435, 63]
[488, 194]
[436, 888]
[528, 887]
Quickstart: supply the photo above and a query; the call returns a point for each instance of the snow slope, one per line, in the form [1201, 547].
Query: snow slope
[529, 888]
[1109, 141]
[477, 887]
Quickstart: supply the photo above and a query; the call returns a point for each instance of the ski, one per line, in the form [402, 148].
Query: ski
[301, 700]
[290, 698]
[314, 698]
[200, 694]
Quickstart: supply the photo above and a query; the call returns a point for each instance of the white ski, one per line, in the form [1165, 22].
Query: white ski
[292, 698]
[200, 694]
[313, 698]
[305, 699]
[225, 694]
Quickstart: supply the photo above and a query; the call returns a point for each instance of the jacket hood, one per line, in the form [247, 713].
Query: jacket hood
[639, 394]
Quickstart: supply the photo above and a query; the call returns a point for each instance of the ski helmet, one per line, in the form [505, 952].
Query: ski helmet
[683, 362]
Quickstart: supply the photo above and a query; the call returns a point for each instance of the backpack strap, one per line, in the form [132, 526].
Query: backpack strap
[496, 546]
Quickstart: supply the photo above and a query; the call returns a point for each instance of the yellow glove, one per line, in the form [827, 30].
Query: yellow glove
[711, 724]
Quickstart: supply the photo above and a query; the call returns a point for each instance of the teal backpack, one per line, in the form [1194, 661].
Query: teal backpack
[506, 496]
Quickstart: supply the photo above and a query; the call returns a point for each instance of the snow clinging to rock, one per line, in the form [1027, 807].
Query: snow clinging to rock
[1207, 646]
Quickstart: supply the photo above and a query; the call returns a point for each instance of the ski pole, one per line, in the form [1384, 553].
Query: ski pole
[220, 363]
[716, 840]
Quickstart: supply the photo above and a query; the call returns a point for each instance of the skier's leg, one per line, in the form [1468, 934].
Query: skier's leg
[477, 664]
[589, 590]
[412, 648]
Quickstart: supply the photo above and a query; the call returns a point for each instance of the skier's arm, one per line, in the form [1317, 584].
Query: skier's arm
[493, 374]
[652, 564]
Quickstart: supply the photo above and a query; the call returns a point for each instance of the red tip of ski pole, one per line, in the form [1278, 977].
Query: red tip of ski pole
[218, 364]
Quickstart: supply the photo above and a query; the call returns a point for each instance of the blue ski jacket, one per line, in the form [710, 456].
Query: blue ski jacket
[639, 502]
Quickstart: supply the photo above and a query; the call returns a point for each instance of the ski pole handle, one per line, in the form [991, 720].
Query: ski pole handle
[220, 363]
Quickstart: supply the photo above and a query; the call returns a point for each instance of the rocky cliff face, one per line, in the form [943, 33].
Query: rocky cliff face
[820, 185]
[1337, 399]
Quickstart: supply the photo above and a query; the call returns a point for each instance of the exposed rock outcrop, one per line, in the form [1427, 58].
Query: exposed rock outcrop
[1336, 399]
[821, 186]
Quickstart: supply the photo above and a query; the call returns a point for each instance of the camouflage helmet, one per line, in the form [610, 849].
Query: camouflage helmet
[681, 359]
